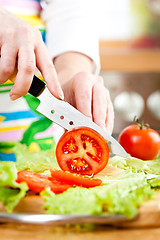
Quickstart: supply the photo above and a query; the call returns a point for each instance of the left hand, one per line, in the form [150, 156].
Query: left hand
[87, 93]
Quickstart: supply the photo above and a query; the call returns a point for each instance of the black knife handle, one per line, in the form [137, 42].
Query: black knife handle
[36, 87]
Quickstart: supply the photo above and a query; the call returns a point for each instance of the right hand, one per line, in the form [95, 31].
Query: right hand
[22, 50]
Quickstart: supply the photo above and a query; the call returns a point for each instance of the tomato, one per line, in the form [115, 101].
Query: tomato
[83, 151]
[140, 142]
[75, 179]
[146, 42]
[38, 182]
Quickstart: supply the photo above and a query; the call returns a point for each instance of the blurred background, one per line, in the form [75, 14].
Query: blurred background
[130, 59]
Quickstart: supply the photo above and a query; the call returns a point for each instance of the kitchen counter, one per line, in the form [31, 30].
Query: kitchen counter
[120, 56]
[38, 232]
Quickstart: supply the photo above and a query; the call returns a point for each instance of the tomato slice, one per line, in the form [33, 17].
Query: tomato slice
[75, 179]
[38, 182]
[83, 151]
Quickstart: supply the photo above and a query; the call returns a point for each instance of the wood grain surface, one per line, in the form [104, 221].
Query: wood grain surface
[37, 232]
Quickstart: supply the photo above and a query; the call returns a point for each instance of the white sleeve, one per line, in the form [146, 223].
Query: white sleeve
[72, 25]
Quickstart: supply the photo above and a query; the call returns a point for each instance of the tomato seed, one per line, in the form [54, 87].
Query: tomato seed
[93, 157]
[84, 146]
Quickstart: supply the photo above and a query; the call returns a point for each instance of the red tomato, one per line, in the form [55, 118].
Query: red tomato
[38, 182]
[75, 179]
[146, 42]
[140, 143]
[83, 151]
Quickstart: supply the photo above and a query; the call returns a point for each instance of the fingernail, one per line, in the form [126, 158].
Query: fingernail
[61, 95]
[13, 96]
[90, 117]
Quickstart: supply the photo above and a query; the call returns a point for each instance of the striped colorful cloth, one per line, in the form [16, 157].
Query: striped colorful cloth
[19, 120]
[28, 10]
[25, 7]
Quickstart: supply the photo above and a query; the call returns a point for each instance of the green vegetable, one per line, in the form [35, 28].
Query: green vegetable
[34, 161]
[10, 191]
[152, 166]
[119, 195]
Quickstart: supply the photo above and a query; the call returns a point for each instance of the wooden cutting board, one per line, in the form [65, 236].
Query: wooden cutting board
[148, 216]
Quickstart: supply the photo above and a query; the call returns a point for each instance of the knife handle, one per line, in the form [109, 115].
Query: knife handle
[36, 87]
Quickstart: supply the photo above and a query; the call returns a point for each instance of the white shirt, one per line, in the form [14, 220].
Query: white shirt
[72, 25]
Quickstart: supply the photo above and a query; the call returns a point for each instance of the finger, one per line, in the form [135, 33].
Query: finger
[110, 115]
[7, 61]
[26, 69]
[82, 85]
[46, 67]
[99, 104]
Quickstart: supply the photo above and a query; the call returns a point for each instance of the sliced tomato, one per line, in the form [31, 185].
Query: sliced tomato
[83, 151]
[38, 182]
[75, 179]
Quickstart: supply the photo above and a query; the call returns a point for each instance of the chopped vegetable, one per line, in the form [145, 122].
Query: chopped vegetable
[82, 150]
[75, 179]
[120, 195]
[38, 182]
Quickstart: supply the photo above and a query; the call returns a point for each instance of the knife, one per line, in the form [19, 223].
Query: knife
[60, 220]
[68, 117]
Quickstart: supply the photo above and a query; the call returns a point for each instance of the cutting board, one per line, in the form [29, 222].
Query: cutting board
[148, 213]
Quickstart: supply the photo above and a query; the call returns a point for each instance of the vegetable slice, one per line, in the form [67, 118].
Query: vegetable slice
[83, 151]
[75, 179]
[38, 182]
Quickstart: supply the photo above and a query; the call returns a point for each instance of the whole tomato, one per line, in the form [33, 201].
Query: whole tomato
[140, 141]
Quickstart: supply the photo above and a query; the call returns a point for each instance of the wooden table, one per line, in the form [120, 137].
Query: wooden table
[30, 232]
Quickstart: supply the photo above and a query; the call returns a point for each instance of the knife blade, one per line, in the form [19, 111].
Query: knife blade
[60, 220]
[68, 117]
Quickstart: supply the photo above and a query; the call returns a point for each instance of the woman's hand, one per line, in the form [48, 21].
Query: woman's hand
[21, 51]
[87, 93]
[84, 90]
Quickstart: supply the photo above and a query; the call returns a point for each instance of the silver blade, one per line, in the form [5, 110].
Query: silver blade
[59, 220]
[68, 117]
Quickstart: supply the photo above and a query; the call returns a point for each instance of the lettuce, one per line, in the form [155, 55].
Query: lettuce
[34, 161]
[151, 166]
[119, 195]
[10, 191]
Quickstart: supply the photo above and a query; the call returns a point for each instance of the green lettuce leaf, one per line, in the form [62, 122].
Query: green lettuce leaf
[10, 191]
[118, 195]
[151, 166]
[34, 161]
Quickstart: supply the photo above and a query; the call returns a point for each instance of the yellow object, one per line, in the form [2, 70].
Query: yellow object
[49, 141]
[33, 147]
[33, 20]
[13, 128]
[8, 82]
[1, 118]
